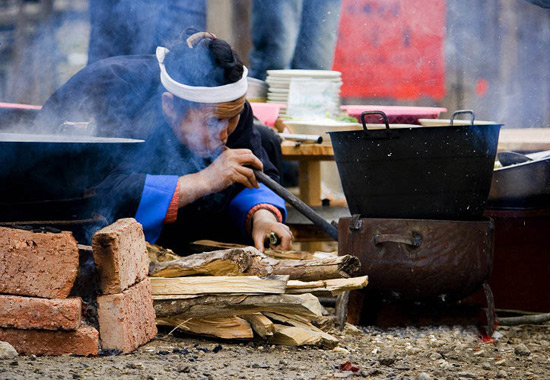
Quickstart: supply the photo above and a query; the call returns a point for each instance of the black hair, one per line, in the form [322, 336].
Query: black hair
[210, 63]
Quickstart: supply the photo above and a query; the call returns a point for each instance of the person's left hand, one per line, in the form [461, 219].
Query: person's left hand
[264, 223]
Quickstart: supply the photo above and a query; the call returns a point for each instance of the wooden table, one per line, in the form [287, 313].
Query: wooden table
[309, 156]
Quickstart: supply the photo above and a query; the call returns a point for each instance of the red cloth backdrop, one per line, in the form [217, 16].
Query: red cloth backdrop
[392, 49]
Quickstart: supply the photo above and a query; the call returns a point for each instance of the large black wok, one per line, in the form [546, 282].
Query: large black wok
[419, 172]
[46, 167]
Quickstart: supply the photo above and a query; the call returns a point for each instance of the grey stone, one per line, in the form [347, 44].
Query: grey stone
[467, 375]
[7, 351]
[387, 361]
[522, 350]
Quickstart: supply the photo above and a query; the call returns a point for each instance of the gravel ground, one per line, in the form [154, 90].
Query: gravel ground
[521, 352]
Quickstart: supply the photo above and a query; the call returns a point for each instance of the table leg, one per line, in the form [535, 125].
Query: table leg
[309, 179]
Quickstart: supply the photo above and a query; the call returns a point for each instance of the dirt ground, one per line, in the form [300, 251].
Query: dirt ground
[521, 352]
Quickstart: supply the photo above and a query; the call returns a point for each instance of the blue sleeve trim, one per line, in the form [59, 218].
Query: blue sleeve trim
[248, 198]
[158, 192]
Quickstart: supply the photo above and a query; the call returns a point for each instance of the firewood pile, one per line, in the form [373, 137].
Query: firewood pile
[233, 293]
[241, 293]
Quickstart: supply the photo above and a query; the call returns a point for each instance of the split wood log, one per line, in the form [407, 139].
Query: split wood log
[227, 262]
[219, 285]
[260, 324]
[318, 268]
[289, 255]
[342, 301]
[296, 336]
[290, 319]
[305, 270]
[226, 328]
[334, 286]
[221, 306]
[175, 297]
[160, 254]
[325, 339]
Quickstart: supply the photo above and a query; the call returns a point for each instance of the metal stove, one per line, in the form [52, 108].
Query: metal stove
[422, 260]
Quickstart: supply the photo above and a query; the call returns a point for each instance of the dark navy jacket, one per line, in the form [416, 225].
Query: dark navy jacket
[123, 96]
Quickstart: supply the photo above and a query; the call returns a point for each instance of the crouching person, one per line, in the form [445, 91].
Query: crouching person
[193, 177]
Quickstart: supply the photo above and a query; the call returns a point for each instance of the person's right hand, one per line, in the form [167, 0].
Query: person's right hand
[231, 167]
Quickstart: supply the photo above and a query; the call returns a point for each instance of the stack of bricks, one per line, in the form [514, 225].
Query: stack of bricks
[37, 272]
[125, 310]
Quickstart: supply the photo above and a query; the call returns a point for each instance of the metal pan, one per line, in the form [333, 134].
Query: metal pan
[525, 184]
[37, 167]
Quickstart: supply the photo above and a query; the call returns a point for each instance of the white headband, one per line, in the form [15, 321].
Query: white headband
[198, 94]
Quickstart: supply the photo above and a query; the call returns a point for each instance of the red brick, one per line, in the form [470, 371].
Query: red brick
[37, 264]
[40, 313]
[84, 341]
[120, 255]
[127, 320]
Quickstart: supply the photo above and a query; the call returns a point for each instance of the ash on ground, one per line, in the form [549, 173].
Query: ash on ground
[521, 352]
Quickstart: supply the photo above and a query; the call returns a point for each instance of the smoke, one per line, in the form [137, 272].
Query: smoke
[502, 44]
[49, 42]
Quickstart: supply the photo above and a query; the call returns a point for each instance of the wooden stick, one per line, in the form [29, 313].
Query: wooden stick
[218, 285]
[307, 211]
[524, 320]
[221, 306]
[334, 286]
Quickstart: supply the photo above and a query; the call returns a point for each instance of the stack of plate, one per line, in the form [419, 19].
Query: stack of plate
[279, 83]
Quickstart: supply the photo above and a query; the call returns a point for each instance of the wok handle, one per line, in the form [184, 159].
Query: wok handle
[386, 120]
[414, 240]
[459, 112]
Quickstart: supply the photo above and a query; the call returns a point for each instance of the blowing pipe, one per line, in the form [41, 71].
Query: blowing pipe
[312, 139]
[297, 204]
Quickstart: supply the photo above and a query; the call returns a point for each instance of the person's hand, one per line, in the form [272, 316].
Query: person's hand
[231, 167]
[264, 223]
